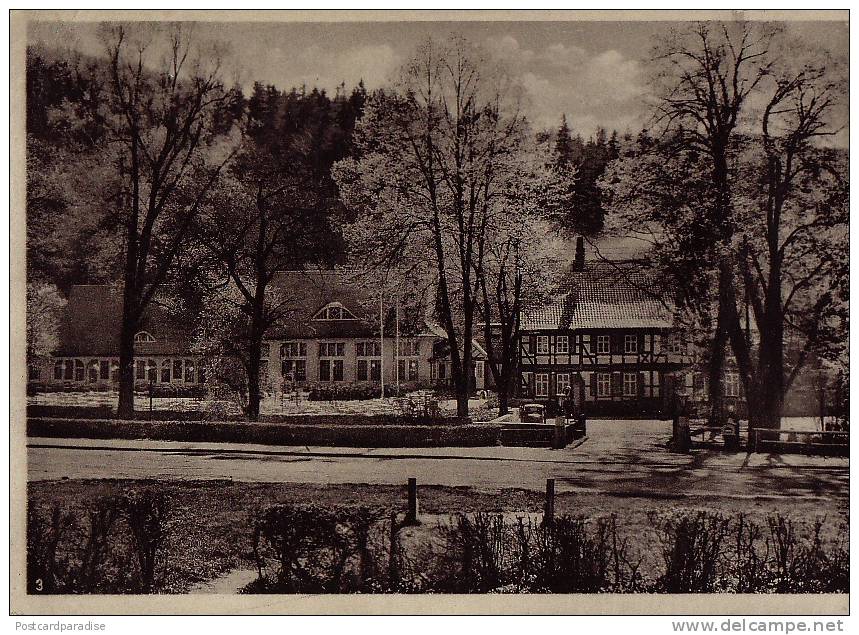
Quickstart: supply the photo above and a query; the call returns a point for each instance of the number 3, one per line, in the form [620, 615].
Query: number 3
[39, 585]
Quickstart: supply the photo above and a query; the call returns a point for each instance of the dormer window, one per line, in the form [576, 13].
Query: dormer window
[144, 336]
[334, 311]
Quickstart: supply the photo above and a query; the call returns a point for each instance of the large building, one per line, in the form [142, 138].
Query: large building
[329, 336]
[610, 336]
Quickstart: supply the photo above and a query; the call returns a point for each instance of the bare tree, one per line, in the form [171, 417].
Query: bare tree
[435, 156]
[159, 114]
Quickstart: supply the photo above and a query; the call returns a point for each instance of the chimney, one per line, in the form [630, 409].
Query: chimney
[579, 264]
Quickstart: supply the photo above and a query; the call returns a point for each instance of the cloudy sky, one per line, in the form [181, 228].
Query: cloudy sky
[594, 72]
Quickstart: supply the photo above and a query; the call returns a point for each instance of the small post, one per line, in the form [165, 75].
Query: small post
[412, 513]
[560, 440]
[150, 399]
[549, 509]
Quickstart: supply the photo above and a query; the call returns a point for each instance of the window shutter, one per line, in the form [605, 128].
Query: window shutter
[640, 384]
[616, 385]
[742, 386]
[593, 384]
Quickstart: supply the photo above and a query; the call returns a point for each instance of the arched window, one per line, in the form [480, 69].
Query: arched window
[59, 366]
[334, 311]
[92, 371]
[114, 371]
[165, 371]
[151, 370]
[79, 370]
[144, 336]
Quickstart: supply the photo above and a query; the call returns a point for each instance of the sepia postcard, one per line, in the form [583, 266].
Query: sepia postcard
[415, 312]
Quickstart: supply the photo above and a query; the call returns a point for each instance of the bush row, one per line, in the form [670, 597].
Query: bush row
[118, 545]
[307, 549]
[391, 435]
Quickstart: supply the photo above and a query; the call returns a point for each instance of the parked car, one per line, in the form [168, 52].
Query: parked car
[532, 413]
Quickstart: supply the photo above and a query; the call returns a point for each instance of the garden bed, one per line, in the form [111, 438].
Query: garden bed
[329, 431]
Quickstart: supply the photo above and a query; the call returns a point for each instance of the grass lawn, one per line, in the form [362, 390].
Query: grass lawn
[210, 531]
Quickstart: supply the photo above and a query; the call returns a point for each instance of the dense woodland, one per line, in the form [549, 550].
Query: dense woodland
[151, 173]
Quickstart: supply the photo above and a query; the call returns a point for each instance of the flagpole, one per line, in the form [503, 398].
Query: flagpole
[397, 343]
[382, 346]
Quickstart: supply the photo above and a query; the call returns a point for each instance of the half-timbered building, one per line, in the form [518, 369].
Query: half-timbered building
[610, 335]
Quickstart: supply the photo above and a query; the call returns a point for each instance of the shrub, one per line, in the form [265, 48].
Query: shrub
[146, 514]
[47, 572]
[564, 556]
[692, 547]
[311, 549]
[478, 550]
[391, 435]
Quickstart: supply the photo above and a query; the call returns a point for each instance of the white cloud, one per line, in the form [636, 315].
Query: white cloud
[604, 88]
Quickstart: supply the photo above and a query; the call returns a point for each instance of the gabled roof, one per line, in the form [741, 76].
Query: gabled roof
[616, 294]
[303, 293]
[92, 321]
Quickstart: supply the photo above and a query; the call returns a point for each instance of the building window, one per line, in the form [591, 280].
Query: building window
[151, 370]
[140, 369]
[407, 369]
[542, 343]
[92, 371]
[362, 374]
[338, 370]
[189, 371]
[34, 372]
[603, 384]
[732, 385]
[294, 370]
[630, 384]
[104, 369]
[58, 369]
[562, 380]
[562, 344]
[79, 370]
[676, 344]
[293, 349]
[630, 343]
[478, 370]
[442, 370]
[331, 349]
[114, 370]
[165, 371]
[409, 348]
[324, 370]
[144, 336]
[541, 385]
[375, 370]
[177, 370]
[334, 311]
[603, 344]
[368, 349]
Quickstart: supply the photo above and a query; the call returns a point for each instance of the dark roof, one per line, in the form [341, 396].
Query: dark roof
[616, 294]
[93, 318]
[301, 294]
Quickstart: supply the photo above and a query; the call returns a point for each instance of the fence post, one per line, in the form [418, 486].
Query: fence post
[412, 513]
[150, 399]
[549, 509]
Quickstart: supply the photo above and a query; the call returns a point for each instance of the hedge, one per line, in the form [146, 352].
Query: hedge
[108, 412]
[343, 435]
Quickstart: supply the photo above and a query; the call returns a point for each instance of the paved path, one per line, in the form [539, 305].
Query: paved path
[618, 457]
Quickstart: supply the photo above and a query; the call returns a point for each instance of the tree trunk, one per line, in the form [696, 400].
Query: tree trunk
[715, 368]
[252, 409]
[125, 408]
[503, 400]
